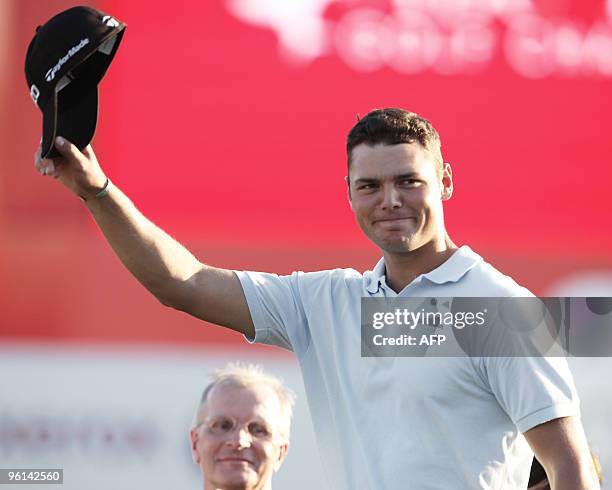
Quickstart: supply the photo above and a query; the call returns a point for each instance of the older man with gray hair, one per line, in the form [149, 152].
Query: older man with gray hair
[240, 434]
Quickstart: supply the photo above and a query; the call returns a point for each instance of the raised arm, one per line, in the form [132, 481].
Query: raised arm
[561, 446]
[161, 264]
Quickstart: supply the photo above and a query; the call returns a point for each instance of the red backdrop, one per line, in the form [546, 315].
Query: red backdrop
[225, 122]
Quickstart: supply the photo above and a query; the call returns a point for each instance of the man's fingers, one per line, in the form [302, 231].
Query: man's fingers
[50, 167]
[45, 166]
[37, 159]
[72, 166]
[57, 167]
[66, 149]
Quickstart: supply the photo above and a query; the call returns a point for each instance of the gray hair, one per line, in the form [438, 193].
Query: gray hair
[245, 376]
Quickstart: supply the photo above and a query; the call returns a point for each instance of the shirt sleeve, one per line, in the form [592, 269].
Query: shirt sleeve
[532, 390]
[277, 310]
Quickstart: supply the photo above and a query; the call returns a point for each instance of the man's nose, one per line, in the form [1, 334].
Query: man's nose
[240, 438]
[391, 197]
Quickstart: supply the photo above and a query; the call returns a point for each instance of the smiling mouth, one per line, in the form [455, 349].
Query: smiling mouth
[235, 460]
[387, 220]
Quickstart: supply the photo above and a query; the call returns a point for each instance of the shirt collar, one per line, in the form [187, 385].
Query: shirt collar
[451, 270]
[377, 277]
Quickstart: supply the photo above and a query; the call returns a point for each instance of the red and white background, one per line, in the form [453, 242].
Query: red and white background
[225, 122]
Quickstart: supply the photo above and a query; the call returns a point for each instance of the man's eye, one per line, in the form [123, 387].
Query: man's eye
[410, 182]
[366, 187]
[258, 430]
[223, 425]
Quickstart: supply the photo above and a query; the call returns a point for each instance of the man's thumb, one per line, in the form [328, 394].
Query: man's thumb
[66, 148]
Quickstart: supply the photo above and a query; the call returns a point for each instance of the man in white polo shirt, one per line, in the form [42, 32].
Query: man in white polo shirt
[381, 423]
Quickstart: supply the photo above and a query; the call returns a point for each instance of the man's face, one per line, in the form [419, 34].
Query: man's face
[238, 445]
[396, 193]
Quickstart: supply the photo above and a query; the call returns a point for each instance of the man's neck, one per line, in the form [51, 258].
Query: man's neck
[403, 268]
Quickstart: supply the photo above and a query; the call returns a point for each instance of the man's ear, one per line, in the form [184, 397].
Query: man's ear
[447, 182]
[195, 454]
[283, 449]
[348, 189]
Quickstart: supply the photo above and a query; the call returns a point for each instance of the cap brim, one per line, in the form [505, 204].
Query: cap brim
[72, 117]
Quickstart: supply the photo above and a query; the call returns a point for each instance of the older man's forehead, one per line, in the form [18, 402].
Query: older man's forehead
[233, 400]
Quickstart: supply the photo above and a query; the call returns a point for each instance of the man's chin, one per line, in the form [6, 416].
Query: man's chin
[396, 245]
[235, 482]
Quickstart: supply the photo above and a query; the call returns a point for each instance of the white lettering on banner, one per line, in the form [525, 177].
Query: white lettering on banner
[445, 36]
[536, 48]
[50, 75]
[299, 24]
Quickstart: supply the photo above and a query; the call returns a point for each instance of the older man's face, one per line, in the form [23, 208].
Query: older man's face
[238, 444]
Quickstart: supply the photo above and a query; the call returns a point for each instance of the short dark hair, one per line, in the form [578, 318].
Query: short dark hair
[392, 127]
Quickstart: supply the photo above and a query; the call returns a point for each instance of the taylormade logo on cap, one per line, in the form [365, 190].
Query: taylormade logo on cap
[34, 93]
[50, 75]
[110, 21]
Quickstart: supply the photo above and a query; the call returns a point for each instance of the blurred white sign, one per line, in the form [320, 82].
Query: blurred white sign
[118, 417]
[443, 36]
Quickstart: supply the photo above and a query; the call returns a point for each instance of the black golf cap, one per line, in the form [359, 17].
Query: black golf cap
[65, 61]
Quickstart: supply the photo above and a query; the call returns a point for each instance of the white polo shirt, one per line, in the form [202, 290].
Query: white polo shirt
[408, 423]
